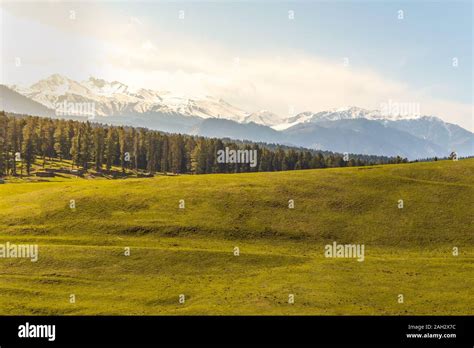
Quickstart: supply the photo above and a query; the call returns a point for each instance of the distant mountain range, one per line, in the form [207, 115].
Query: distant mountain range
[350, 129]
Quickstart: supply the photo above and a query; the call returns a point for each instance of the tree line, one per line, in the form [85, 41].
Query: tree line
[25, 140]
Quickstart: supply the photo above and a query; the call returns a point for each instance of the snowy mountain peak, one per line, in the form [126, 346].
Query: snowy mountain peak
[116, 98]
[55, 79]
[343, 113]
[263, 117]
[342, 129]
[302, 117]
[99, 83]
[105, 88]
[56, 84]
[149, 95]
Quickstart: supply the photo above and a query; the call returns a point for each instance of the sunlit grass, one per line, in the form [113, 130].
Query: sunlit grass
[190, 251]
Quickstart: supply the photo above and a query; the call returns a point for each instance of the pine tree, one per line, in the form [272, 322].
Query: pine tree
[151, 153]
[147, 149]
[50, 127]
[99, 147]
[110, 145]
[3, 144]
[165, 156]
[15, 139]
[135, 149]
[122, 138]
[199, 157]
[76, 146]
[86, 145]
[60, 141]
[28, 144]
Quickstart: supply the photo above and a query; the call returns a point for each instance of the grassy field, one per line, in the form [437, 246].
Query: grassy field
[190, 251]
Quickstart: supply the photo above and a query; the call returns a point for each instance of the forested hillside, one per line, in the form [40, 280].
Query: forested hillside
[25, 139]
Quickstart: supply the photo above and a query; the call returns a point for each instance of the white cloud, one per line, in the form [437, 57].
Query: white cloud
[279, 83]
[144, 55]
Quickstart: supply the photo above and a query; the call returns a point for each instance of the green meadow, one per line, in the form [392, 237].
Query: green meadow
[190, 251]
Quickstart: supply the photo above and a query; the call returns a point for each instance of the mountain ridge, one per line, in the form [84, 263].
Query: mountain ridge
[344, 129]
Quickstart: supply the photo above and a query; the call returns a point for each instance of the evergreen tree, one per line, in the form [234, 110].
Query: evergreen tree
[99, 148]
[28, 144]
[60, 141]
[147, 150]
[76, 146]
[110, 146]
[3, 144]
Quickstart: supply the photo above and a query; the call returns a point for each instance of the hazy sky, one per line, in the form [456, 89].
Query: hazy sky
[282, 56]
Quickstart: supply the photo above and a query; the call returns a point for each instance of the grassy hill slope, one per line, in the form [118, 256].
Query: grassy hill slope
[190, 251]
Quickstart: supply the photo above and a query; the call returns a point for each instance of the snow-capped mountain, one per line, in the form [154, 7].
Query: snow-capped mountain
[345, 113]
[347, 129]
[303, 117]
[263, 117]
[115, 99]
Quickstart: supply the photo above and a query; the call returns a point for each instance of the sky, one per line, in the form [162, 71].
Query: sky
[286, 57]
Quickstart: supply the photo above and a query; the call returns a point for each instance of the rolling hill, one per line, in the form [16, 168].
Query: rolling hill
[190, 251]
